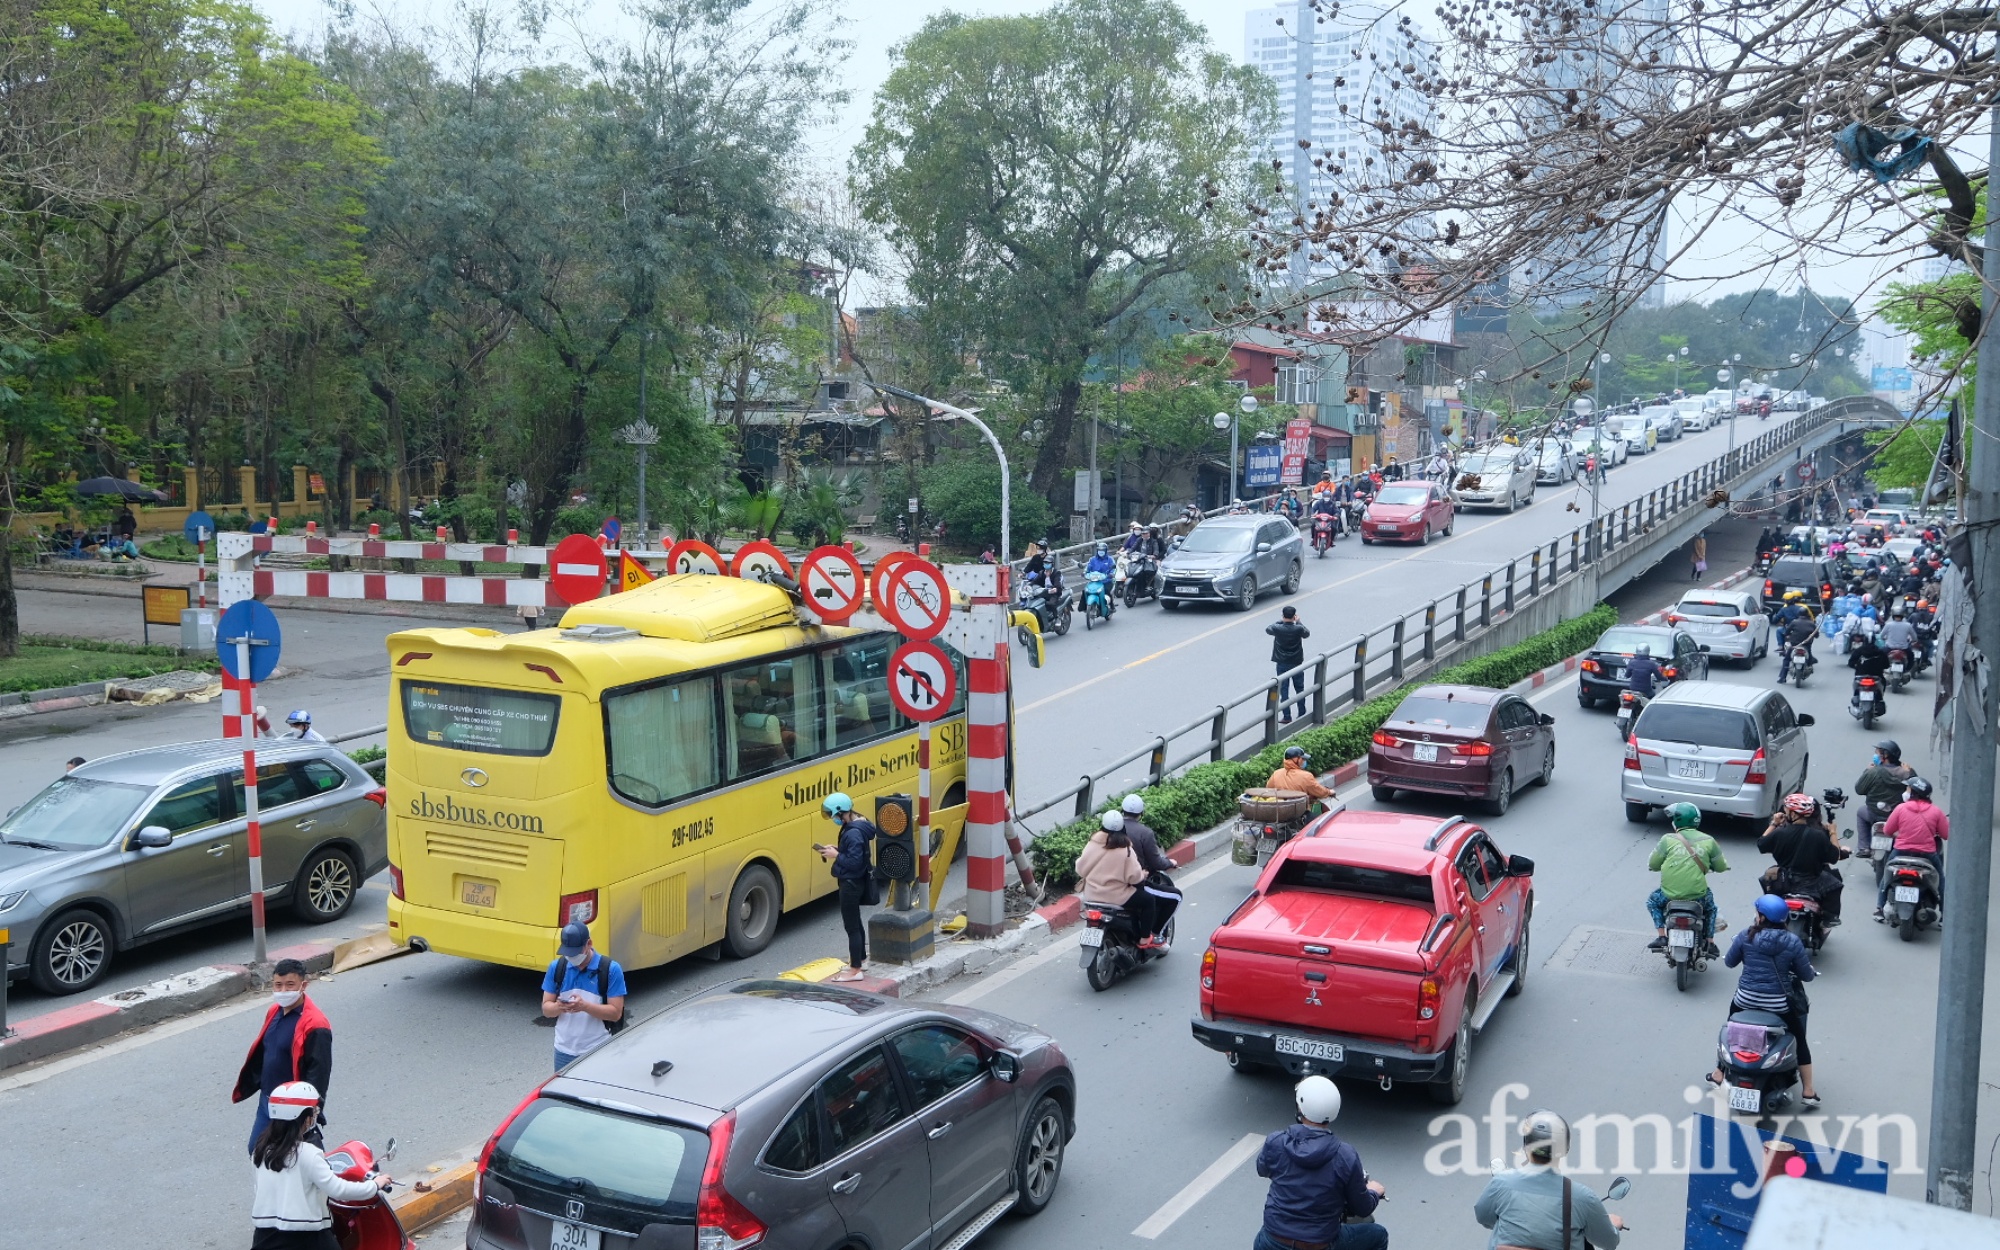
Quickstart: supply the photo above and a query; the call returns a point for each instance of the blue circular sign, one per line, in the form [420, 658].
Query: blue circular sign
[252, 621]
[199, 527]
[613, 530]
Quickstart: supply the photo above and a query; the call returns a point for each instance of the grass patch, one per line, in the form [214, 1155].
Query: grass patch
[46, 661]
[170, 547]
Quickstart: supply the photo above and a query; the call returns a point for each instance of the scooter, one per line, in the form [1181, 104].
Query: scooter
[1096, 598]
[1110, 945]
[1759, 1059]
[1323, 533]
[1900, 667]
[1139, 577]
[1865, 702]
[1805, 921]
[1687, 954]
[370, 1225]
[1630, 704]
[1913, 890]
[1050, 606]
[1802, 664]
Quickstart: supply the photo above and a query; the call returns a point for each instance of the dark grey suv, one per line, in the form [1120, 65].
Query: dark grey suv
[132, 847]
[1233, 559]
[783, 1115]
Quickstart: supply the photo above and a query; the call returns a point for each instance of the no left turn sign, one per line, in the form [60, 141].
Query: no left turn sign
[912, 596]
[830, 582]
[922, 684]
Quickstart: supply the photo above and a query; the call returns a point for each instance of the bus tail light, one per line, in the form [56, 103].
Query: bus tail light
[396, 882]
[578, 908]
[722, 1222]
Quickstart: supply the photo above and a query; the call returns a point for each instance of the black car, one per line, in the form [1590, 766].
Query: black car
[1601, 675]
[1817, 576]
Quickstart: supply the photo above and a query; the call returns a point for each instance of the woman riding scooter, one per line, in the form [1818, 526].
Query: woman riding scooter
[294, 1181]
[1775, 970]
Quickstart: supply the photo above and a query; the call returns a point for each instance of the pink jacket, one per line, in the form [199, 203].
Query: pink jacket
[1108, 876]
[1917, 826]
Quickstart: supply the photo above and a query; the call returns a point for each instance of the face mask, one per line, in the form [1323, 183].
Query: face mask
[286, 998]
[577, 961]
[1876, 758]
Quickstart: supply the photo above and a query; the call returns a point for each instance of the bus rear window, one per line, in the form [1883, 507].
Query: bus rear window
[481, 719]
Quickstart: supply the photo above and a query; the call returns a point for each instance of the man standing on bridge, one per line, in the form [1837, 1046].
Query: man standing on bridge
[1288, 652]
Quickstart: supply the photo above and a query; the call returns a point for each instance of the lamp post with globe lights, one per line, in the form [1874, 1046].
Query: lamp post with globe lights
[643, 437]
[1722, 377]
[1583, 407]
[1226, 421]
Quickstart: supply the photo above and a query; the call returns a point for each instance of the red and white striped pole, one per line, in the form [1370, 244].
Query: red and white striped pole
[924, 808]
[247, 705]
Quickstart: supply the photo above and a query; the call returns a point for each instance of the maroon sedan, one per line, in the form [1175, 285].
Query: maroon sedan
[1463, 741]
[1408, 512]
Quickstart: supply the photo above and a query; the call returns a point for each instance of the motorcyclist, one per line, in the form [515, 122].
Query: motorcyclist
[1525, 1207]
[1109, 872]
[1684, 858]
[1807, 855]
[1775, 968]
[1867, 658]
[1643, 673]
[299, 723]
[1880, 787]
[1364, 488]
[1296, 775]
[1325, 485]
[1316, 1181]
[1162, 898]
[1798, 630]
[1325, 505]
[1924, 620]
[1237, 507]
[1135, 539]
[1100, 562]
[1920, 828]
[1899, 634]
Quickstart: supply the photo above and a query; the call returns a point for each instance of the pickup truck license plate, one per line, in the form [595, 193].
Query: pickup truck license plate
[1425, 752]
[572, 1237]
[478, 894]
[1309, 1048]
[1879, 843]
[1091, 937]
[1693, 769]
[1906, 894]
[1680, 937]
[1741, 1099]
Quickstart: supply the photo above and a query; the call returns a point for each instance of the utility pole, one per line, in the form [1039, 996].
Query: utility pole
[1975, 703]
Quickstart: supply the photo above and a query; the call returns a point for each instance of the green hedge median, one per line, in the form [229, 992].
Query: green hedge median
[1205, 796]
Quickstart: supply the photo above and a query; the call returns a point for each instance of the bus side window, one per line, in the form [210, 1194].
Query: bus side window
[662, 741]
[860, 692]
[772, 709]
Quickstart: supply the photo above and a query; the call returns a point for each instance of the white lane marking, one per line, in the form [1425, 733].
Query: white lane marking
[1007, 976]
[1200, 1187]
[1204, 872]
[130, 1042]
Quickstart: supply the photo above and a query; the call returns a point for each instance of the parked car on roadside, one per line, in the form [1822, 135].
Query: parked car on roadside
[1466, 741]
[1732, 750]
[129, 848]
[1500, 476]
[1408, 512]
[783, 1114]
[1726, 623]
[1233, 559]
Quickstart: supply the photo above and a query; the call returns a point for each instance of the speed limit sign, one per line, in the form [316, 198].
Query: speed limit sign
[1805, 470]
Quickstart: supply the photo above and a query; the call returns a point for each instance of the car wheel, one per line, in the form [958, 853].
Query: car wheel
[1451, 1089]
[1637, 813]
[752, 920]
[325, 887]
[1585, 702]
[1513, 501]
[1246, 594]
[1297, 575]
[1383, 794]
[72, 952]
[1548, 767]
[1171, 605]
[1503, 798]
[1453, 520]
[1424, 539]
[1038, 1162]
[1367, 541]
[1523, 958]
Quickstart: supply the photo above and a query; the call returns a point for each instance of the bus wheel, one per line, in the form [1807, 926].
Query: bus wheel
[753, 913]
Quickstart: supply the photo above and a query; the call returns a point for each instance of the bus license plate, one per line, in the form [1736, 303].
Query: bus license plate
[1879, 843]
[1906, 894]
[1680, 937]
[1741, 1099]
[479, 894]
[1091, 937]
[1308, 1048]
[1425, 752]
[572, 1237]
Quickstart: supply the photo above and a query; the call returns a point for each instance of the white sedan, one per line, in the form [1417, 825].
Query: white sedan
[1729, 624]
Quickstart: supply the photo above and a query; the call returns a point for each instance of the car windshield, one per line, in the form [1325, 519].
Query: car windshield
[75, 814]
[1498, 463]
[1425, 709]
[1218, 540]
[1627, 641]
[638, 1164]
[1628, 423]
[1403, 496]
[1697, 726]
[1700, 608]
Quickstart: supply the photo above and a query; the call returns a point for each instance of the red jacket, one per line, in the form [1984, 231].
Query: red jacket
[312, 1053]
[1918, 826]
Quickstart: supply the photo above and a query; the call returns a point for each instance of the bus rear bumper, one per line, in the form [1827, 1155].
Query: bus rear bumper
[484, 938]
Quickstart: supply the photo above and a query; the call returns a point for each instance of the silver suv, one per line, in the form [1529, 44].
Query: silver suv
[1734, 750]
[787, 1115]
[129, 848]
[1233, 559]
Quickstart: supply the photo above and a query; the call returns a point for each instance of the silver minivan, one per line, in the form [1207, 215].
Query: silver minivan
[1731, 750]
[129, 848]
[1500, 476]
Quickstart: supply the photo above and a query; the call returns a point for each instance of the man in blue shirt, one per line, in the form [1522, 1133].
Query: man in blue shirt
[1643, 672]
[585, 993]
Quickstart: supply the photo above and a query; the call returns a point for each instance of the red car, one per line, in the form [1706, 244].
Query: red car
[1376, 945]
[1408, 512]
[1464, 741]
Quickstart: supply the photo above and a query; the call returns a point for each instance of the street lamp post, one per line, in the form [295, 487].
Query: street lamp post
[641, 436]
[1597, 375]
[1722, 377]
[1006, 478]
[1582, 407]
[1221, 420]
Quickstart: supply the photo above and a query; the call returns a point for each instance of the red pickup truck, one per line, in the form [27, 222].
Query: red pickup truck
[1376, 944]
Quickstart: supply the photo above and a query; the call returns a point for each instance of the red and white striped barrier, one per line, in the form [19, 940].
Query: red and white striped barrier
[398, 587]
[376, 548]
[981, 636]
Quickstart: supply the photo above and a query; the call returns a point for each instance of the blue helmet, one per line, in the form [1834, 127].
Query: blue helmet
[836, 805]
[1773, 909]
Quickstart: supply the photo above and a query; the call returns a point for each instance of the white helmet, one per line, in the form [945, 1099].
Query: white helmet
[1133, 805]
[1545, 1132]
[1318, 1099]
[292, 1099]
[1113, 822]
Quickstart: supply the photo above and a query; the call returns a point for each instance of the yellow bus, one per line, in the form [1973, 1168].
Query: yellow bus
[653, 766]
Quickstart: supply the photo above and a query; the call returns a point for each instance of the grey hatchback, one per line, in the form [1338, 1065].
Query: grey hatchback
[785, 1115]
[1233, 559]
[132, 847]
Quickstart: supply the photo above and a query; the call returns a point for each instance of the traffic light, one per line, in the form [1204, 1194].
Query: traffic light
[896, 840]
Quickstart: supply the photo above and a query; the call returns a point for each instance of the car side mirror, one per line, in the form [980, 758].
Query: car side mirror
[1805, 720]
[153, 838]
[1547, 719]
[1005, 1066]
[1520, 866]
[1263, 548]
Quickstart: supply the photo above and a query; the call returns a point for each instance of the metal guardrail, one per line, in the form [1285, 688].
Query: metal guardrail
[1376, 662]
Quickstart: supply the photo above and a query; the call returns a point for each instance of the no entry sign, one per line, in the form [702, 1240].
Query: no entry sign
[921, 682]
[691, 556]
[759, 561]
[912, 596]
[831, 582]
[578, 575]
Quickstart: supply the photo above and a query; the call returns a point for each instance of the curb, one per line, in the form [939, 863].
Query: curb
[444, 1195]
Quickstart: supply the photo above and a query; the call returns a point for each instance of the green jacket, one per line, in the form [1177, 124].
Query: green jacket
[1681, 875]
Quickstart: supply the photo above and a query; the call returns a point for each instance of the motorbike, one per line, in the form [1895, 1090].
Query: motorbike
[1323, 533]
[1356, 509]
[1913, 891]
[1630, 704]
[1805, 921]
[1802, 664]
[1900, 666]
[1110, 945]
[1050, 606]
[370, 1225]
[1139, 575]
[1759, 1059]
[1865, 702]
[1096, 598]
[1687, 954]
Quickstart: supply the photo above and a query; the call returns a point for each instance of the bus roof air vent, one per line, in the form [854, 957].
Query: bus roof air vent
[686, 607]
[591, 632]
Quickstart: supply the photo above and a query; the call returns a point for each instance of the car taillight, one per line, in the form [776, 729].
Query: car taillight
[1740, 625]
[1826, 590]
[1208, 969]
[1475, 748]
[1632, 752]
[1381, 739]
[1675, 618]
[486, 1152]
[1767, 588]
[577, 907]
[1755, 777]
[395, 881]
[721, 1222]
[1671, 673]
[1427, 998]
[379, 797]
[1591, 666]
